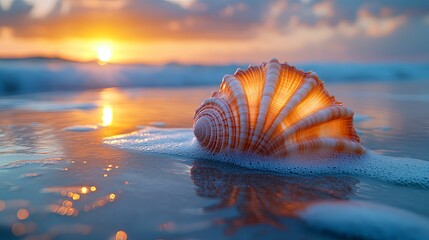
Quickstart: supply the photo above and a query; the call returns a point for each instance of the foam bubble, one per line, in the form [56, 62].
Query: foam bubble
[181, 142]
[359, 219]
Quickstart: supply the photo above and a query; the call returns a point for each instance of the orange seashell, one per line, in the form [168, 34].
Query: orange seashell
[275, 110]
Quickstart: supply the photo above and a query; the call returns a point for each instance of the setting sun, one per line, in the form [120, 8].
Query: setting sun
[104, 54]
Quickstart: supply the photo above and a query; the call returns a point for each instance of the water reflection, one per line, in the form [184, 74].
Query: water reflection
[121, 235]
[22, 214]
[263, 198]
[66, 207]
[107, 117]
[15, 214]
[27, 142]
[98, 173]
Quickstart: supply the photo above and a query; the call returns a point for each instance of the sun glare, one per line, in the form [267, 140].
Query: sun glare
[104, 54]
[107, 116]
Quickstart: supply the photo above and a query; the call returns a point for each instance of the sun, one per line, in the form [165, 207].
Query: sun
[104, 54]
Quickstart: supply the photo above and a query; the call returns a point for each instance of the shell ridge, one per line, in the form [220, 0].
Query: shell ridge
[226, 120]
[253, 88]
[320, 144]
[316, 98]
[271, 79]
[299, 94]
[211, 140]
[284, 74]
[238, 93]
[321, 116]
[208, 132]
[223, 113]
[227, 95]
[329, 101]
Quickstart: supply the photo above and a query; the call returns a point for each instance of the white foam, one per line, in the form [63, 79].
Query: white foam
[82, 128]
[363, 220]
[181, 142]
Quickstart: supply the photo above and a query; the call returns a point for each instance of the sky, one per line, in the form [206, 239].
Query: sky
[217, 31]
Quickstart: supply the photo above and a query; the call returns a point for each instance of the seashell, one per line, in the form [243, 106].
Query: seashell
[275, 110]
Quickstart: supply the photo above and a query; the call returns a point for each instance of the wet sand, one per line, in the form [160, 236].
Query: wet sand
[51, 158]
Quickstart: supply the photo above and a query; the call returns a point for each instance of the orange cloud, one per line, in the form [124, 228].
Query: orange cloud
[215, 31]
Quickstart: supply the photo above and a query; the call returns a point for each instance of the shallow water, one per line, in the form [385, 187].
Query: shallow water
[64, 183]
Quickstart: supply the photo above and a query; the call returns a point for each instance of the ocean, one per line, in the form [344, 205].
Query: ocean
[105, 152]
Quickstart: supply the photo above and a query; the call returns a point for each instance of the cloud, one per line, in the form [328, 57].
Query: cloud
[201, 19]
[359, 27]
[18, 13]
[147, 20]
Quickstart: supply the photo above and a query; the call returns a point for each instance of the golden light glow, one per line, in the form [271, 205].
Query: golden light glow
[84, 190]
[121, 235]
[22, 214]
[100, 202]
[93, 189]
[112, 197]
[104, 54]
[67, 203]
[76, 196]
[65, 209]
[107, 117]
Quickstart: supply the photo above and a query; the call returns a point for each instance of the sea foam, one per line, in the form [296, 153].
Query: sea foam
[181, 142]
[364, 220]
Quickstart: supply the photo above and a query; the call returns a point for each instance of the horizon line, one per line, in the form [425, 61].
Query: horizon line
[95, 60]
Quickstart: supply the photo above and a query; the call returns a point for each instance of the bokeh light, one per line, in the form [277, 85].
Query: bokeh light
[121, 235]
[22, 214]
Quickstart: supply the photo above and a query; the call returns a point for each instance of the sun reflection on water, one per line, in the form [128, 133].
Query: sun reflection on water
[121, 235]
[100, 202]
[84, 190]
[65, 208]
[22, 214]
[107, 117]
[73, 204]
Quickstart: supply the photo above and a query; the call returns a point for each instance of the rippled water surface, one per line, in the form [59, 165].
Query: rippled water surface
[59, 181]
